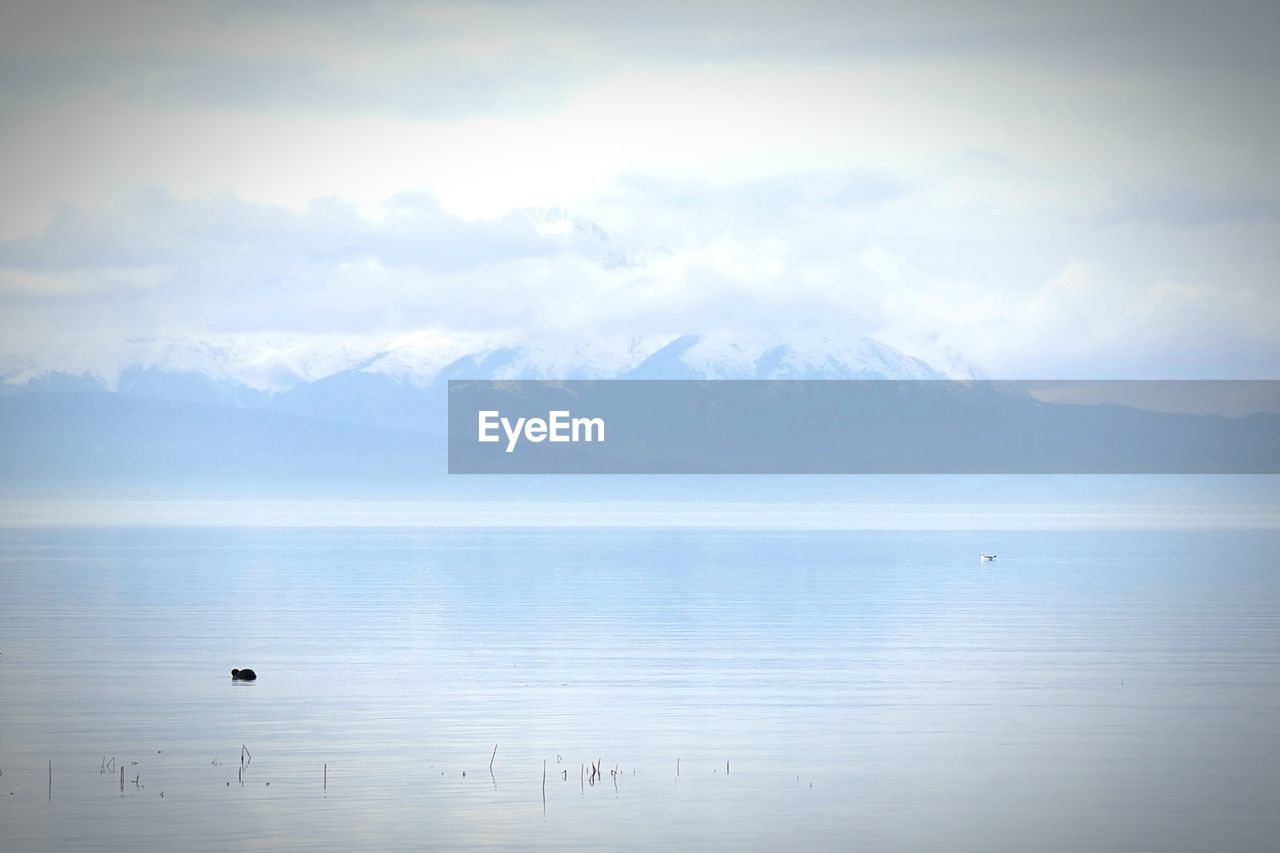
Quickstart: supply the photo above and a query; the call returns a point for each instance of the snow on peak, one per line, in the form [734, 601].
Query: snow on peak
[274, 363]
[778, 357]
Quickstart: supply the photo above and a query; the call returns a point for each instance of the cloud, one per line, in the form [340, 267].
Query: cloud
[25, 284]
[773, 197]
[223, 263]
[491, 106]
[155, 226]
[1191, 209]
[926, 174]
[160, 265]
[1084, 322]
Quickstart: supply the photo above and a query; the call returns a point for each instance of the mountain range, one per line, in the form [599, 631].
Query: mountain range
[302, 416]
[400, 383]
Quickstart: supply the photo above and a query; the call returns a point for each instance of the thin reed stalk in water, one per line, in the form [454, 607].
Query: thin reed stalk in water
[491, 757]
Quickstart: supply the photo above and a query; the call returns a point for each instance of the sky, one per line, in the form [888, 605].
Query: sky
[1084, 190]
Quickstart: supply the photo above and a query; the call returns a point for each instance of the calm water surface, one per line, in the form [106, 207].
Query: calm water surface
[885, 691]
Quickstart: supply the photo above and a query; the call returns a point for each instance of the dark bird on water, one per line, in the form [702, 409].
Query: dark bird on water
[243, 675]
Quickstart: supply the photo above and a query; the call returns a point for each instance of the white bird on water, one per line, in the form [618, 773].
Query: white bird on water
[986, 558]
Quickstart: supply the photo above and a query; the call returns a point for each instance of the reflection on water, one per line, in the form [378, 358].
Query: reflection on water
[648, 689]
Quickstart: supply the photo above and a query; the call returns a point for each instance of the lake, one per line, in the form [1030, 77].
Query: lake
[1100, 690]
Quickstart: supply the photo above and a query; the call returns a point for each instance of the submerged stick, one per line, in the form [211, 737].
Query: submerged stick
[122, 780]
[491, 757]
[326, 776]
[51, 778]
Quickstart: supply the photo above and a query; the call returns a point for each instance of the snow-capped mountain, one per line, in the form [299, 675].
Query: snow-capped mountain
[248, 416]
[276, 364]
[400, 382]
[262, 363]
[774, 357]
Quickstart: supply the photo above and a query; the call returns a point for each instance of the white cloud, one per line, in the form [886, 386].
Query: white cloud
[70, 283]
[995, 184]
[1084, 322]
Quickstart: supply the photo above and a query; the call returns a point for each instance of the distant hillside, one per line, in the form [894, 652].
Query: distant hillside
[79, 439]
[111, 443]
[248, 416]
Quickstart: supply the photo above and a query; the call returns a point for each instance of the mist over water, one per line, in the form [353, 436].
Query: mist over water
[1088, 690]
